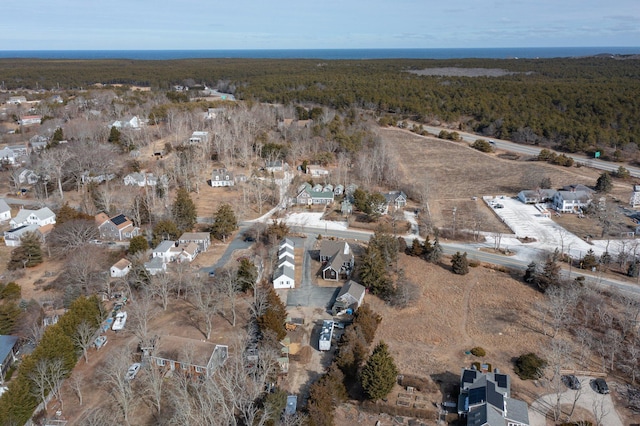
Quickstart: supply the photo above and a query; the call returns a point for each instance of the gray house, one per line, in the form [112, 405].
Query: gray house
[485, 400]
[337, 260]
[351, 296]
[221, 177]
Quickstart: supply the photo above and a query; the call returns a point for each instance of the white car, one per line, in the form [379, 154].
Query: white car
[132, 371]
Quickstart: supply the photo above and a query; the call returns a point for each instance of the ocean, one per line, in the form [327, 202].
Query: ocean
[358, 54]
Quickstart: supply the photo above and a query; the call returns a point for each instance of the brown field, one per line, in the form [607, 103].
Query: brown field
[454, 173]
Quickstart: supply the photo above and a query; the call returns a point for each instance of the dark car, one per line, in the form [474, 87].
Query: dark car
[601, 386]
[571, 381]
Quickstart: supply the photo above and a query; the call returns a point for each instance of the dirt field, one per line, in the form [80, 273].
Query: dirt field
[455, 173]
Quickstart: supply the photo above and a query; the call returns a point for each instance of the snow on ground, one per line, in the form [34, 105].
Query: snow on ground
[525, 220]
[314, 220]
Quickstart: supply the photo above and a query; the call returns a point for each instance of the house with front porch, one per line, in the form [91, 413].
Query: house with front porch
[571, 201]
[40, 217]
[337, 260]
[395, 200]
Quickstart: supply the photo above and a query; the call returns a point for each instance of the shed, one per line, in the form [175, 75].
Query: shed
[351, 295]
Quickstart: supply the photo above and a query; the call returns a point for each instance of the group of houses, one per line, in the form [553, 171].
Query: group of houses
[143, 179]
[284, 274]
[569, 199]
[185, 249]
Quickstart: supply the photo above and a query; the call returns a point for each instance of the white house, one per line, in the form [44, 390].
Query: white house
[121, 268]
[202, 239]
[286, 261]
[635, 197]
[284, 277]
[164, 251]
[198, 137]
[40, 217]
[571, 201]
[5, 210]
[274, 166]
[529, 196]
[155, 266]
[27, 176]
[13, 237]
[221, 177]
[130, 123]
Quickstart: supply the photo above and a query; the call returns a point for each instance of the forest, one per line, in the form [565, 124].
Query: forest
[571, 104]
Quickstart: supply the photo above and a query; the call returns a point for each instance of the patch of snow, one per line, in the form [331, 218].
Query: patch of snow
[314, 220]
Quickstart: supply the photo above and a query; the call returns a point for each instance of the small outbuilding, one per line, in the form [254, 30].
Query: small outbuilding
[351, 296]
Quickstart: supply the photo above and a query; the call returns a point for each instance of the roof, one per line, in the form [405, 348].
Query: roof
[183, 349]
[6, 345]
[41, 214]
[285, 242]
[352, 289]
[164, 246]
[195, 236]
[394, 195]
[575, 195]
[119, 219]
[329, 248]
[122, 264]
[155, 263]
[284, 271]
[4, 207]
[101, 218]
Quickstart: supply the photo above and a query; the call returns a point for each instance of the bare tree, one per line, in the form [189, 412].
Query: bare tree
[118, 388]
[84, 337]
[206, 300]
[558, 357]
[142, 310]
[162, 286]
[47, 377]
[154, 386]
[54, 161]
[75, 383]
[561, 300]
[600, 410]
[72, 235]
[228, 285]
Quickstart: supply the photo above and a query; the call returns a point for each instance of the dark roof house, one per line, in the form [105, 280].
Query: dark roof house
[8, 346]
[351, 296]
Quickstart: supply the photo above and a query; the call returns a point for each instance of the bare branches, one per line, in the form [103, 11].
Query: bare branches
[84, 337]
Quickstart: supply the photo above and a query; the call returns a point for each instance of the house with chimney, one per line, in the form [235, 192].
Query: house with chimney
[337, 260]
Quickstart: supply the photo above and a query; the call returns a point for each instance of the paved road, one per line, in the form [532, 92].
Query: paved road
[587, 399]
[534, 151]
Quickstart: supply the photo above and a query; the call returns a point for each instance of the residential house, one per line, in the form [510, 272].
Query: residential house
[202, 239]
[351, 296]
[121, 268]
[571, 201]
[5, 210]
[221, 177]
[26, 176]
[346, 207]
[285, 251]
[130, 123]
[396, 199]
[338, 190]
[317, 188]
[36, 144]
[8, 354]
[170, 251]
[337, 260]
[316, 171]
[274, 166]
[165, 251]
[635, 197]
[287, 261]
[328, 188]
[284, 277]
[19, 150]
[307, 196]
[530, 196]
[155, 266]
[212, 113]
[118, 227]
[286, 242]
[86, 177]
[578, 187]
[29, 120]
[40, 217]
[17, 100]
[188, 356]
[485, 400]
[7, 156]
[199, 137]
[143, 179]
[186, 252]
[13, 237]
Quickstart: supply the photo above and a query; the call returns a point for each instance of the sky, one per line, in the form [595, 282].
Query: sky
[324, 24]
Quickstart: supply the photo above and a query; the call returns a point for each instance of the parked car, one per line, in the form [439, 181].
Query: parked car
[601, 386]
[132, 371]
[571, 381]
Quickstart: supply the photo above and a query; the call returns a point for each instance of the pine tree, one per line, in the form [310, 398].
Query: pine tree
[373, 274]
[604, 183]
[589, 260]
[435, 254]
[138, 244]
[27, 254]
[550, 273]
[184, 211]
[531, 274]
[247, 274]
[165, 230]
[57, 137]
[379, 374]
[460, 264]
[632, 270]
[275, 314]
[416, 248]
[224, 222]
[114, 136]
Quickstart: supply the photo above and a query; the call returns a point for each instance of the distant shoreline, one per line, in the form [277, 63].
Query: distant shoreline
[327, 54]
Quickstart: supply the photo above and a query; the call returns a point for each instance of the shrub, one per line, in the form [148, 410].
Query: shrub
[478, 351]
[529, 366]
[482, 145]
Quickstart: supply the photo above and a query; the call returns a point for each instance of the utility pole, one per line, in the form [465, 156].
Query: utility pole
[454, 222]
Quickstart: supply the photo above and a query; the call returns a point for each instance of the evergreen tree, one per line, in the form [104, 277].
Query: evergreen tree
[435, 254]
[165, 230]
[275, 314]
[589, 260]
[373, 274]
[224, 222]
[360, 198]
[460, 264]
[114, 136]
[531, 274]
[416, 248]
[379, 374]
[604, 183]
[632, 270]
[57, 137]
[247, 274]
[184, 211]
[138, 244]
[27, 254]
[550, 273]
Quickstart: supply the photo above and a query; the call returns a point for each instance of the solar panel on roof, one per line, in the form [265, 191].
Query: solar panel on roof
[469, 376]
[118, 220]
[501, 380]
[477, 395]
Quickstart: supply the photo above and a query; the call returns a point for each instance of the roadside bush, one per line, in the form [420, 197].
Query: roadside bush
[482, 145]
[474, 263]
[529, 366]
[478, 351]
[421, 384]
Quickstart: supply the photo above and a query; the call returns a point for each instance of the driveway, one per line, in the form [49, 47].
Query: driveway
[308, 294]
[588, 399]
